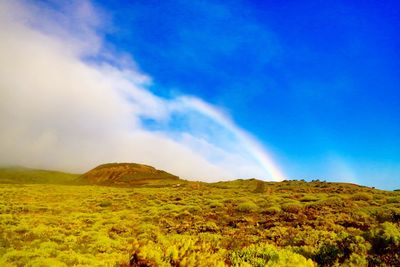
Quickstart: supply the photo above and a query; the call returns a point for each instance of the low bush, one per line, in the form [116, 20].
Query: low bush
[268, 255]
[273, 210]
[247, 206]
[362, 196]
[105, 203]
[292, 207]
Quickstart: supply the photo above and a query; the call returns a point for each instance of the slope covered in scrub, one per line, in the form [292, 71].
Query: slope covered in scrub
[236, 223]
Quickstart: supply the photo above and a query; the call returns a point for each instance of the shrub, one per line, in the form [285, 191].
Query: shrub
[45, 262]
[361, 196]
[334, 202]
[267, 255]
[385, 240]
[215, 204]
[105, 203]
[292, 207]
[309, 198]
[386, 235]
[260, 187]
[393, 200]
[384, 215]
[247, 206]
[180, 250]
[273, 210]
[208, 227]
[327, 255]
[17, 258]
[353, 249]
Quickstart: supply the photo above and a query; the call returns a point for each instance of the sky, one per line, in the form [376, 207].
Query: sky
[208, 90]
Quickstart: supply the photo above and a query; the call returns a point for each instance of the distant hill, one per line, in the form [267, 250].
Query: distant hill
[22, 175]
[124, 174]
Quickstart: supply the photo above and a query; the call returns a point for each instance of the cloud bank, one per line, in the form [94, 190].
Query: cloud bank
[69, 102]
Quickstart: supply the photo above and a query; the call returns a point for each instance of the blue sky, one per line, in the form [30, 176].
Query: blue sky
[316, 83]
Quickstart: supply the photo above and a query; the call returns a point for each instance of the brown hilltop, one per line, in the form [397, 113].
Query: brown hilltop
[126, 174]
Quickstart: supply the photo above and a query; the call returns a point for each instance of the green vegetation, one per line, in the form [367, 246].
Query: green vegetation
[268, 255]
[180, 223]
[21, 175]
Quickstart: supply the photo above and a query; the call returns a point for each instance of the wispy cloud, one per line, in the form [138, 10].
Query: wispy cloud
[66, 103]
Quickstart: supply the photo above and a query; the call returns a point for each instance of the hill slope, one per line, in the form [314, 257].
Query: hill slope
[126, 174]
[22, 175]
[236, 223]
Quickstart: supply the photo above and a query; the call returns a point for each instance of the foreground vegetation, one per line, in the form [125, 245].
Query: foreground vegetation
[239, 223]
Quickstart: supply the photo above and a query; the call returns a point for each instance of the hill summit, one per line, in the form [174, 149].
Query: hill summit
[126, 174]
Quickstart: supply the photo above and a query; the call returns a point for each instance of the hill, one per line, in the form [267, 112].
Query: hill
[22, 175]
[125, 174]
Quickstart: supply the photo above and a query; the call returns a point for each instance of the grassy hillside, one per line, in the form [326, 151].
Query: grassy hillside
[238, 223]
[18, 175]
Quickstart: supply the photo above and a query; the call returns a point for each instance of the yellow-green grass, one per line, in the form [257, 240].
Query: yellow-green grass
[21, 175]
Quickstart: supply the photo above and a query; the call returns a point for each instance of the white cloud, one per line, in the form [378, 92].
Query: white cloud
[58, 110]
